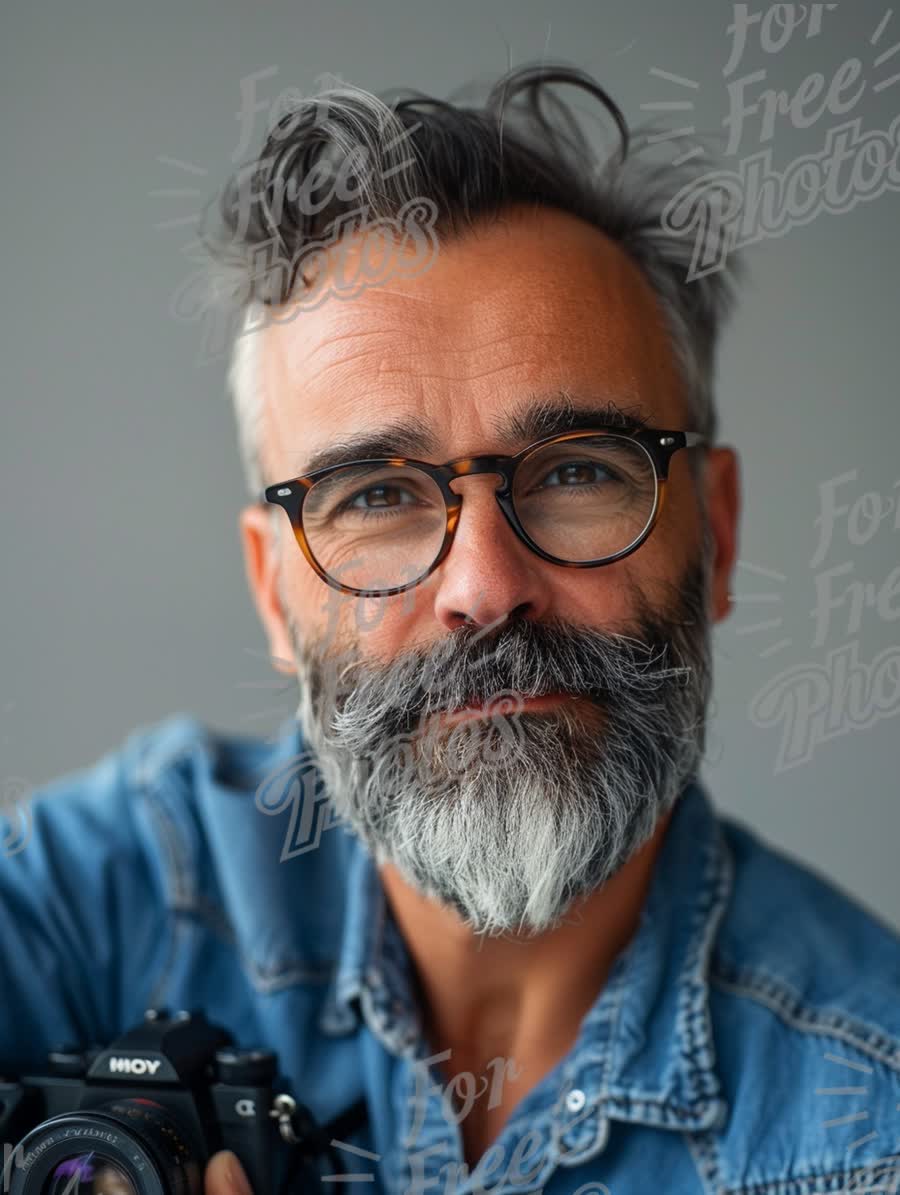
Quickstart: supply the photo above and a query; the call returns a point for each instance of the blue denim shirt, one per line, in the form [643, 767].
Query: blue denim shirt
[747, 1039]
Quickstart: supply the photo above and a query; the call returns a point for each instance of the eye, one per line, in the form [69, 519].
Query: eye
[398, 499]
[375, 489]
[570, 468]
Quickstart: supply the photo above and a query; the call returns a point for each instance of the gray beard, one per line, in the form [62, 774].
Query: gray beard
[510, 819]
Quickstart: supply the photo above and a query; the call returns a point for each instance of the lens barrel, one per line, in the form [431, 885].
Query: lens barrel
[134, 1140]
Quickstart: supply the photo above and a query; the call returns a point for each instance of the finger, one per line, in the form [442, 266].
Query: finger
[225, 1175]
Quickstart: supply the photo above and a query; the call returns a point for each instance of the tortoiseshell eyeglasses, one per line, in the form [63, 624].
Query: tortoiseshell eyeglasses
[580, 500]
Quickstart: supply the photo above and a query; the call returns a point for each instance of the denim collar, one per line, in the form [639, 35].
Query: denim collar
[645, 1050]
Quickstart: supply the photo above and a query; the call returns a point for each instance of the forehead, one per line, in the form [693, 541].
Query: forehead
[533, 304]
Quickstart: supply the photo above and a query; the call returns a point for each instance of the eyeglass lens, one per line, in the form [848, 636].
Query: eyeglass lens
[380, 526]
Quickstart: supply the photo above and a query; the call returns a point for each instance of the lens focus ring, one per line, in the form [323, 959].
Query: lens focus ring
[131, 1146]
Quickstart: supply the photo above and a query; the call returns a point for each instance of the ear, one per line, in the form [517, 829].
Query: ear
[723, 501]
[262, 564]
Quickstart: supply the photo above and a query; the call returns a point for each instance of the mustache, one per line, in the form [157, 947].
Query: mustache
[507, 820]
[523, 657]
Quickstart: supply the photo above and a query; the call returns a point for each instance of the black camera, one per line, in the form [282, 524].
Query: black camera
[143, 1115]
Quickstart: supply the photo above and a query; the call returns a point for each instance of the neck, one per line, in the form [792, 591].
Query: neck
[514, 996]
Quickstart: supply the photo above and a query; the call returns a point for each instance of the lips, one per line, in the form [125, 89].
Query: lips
[508, 704]
[475, 703]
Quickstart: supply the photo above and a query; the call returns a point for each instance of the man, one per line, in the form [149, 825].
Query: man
[529, 946]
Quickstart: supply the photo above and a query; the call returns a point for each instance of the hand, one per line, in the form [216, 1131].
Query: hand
[225, 1175]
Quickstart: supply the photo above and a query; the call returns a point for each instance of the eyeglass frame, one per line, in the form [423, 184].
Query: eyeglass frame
[660, 444]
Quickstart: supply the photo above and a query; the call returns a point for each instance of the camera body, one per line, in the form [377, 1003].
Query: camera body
[145, 1113]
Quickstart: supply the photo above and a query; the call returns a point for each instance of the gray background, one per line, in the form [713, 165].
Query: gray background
[124, 596]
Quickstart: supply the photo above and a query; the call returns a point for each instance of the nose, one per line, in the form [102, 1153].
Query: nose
[488, 574]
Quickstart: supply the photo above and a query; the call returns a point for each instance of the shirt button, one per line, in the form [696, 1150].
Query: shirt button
[575, 1100]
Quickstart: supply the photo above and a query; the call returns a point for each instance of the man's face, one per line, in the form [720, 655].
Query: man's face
[554, 796]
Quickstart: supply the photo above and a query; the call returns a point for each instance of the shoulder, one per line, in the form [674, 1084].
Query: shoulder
[805, 993]
[168, 766]
[163, 808]
[95, 802]
[95, 813]
[787, 920]
[83, 898]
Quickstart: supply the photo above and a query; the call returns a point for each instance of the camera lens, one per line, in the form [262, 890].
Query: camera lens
[125, 1147]
[89, 1174]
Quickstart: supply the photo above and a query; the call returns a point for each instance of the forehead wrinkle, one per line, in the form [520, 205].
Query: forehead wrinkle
[355, 334]
[405, 359]
[340, 318]
[489, 321]
[596, 318]
[472, 376]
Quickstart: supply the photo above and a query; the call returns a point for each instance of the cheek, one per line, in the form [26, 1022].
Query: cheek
[316, 611]
[382, 628]
[341, 622]
[603, 597]
[378, 627]
[609, 598]
[370, 619]
[674, 541]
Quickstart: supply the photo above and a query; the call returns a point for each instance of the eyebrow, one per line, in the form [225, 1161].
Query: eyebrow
[532, 419]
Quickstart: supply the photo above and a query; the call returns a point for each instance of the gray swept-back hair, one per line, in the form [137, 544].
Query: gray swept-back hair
[522, 145]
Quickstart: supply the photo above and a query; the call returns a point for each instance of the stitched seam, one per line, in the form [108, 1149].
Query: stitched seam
[178, 872]
[185, 902]
[694, 1016]
[843, 1026]
[158, 820]
[156, 998]
[270, 981]
[705, 1156]
[850, 1179]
